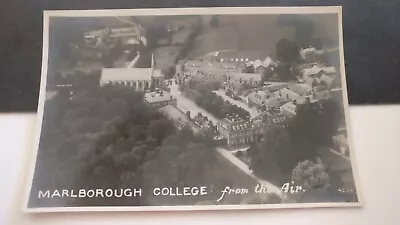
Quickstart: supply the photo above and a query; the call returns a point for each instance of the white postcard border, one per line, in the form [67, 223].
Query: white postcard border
[184, 11]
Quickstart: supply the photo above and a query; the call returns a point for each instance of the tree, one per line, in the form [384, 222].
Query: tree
[310, 175]
[273, 155]
[159, 129]
[195, 163]
[283, 70]
[268, 73]
[169, 72]
[313, 127]
[287, 51]
[181, 160]
[106, 134]
[314, 181]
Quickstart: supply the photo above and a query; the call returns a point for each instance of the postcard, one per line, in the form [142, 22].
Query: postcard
[192, 109]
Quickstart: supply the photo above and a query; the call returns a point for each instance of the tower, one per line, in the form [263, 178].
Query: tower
[153, 79]
[152, 61]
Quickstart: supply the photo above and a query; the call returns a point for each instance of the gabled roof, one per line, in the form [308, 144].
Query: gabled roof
[245, 76]
[259, 96]
[286, 93]
[317, 69]
[126, 74]
[154, 97]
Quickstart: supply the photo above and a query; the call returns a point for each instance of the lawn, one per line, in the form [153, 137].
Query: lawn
[255, 32]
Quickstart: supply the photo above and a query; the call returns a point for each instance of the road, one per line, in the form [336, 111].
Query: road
[243, 167]
[253, 112]
[184, 104]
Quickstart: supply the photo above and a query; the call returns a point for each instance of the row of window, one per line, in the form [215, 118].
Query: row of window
[138, 84]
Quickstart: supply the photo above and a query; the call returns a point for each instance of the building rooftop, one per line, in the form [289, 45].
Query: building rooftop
[236, 123]
[275, 101]
[289, 106]
[209, 64]
[259, 96]
[274, 117]
[287, 94]
[300, 88]
[275, 86]
[311, 50]
[127, 74]
[246, 55]
[257, 63]
[246, 76]
[154, 97]
[317, 69]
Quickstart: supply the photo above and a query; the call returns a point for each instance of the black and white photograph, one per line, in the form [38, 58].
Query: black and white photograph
[192, 109]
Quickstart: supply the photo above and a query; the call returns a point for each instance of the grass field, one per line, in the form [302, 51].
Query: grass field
[255, 32]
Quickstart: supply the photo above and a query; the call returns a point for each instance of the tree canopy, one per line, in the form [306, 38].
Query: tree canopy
[287, 51]
[310, 175]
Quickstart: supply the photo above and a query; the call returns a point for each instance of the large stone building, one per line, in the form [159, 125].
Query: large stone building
[238, 56]
[274, 118]
[236, 82]
[241, 132]
[312, 75]
[259, 66]
[214, 70]
[140, 79]
[300, 88]
[257, 99]
[237, 131]
[287, 94]
[289, 109]
[160, 99]
[311, 54]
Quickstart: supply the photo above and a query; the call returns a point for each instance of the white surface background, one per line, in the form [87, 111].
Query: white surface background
[376, 140]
